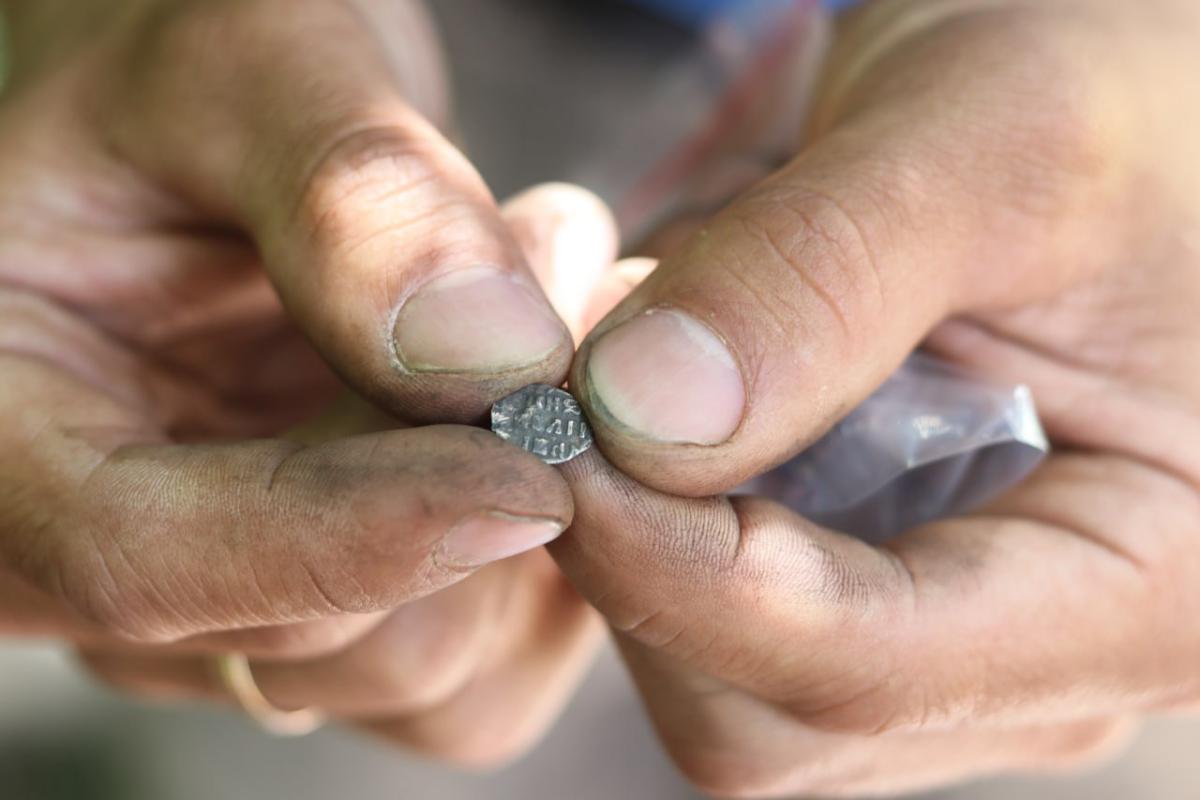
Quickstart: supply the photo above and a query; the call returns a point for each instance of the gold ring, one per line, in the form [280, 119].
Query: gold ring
[235, 674]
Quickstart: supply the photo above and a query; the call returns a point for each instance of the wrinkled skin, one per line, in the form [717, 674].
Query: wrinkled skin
[1012, 183]
[1018, 185]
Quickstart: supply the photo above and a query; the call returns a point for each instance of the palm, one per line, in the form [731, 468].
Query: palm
[189, 322]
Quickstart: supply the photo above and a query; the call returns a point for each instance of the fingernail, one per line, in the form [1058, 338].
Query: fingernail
[669, 378]
[493, 536]
[475, 320]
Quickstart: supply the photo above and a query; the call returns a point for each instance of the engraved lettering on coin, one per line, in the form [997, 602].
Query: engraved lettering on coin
[546, 421]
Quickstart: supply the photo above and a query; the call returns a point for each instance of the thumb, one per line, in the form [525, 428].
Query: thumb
[382, 240]
[797, 301]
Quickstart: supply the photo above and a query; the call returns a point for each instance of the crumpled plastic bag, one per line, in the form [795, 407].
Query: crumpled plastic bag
[934, 441]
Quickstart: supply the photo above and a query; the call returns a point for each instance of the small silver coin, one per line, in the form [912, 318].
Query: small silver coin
[546, 421]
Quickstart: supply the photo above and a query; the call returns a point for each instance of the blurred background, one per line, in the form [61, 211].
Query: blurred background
[624, 89]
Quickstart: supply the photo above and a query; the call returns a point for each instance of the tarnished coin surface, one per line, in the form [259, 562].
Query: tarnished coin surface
[546, 421]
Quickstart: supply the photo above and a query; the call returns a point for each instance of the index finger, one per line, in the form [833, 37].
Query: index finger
[156, 542]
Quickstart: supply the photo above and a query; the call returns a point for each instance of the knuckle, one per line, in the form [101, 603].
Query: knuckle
[355, 548]
[448, 474]
[387, 181]
[335, 585]
[367, 164]
[820, 264]
[382, 566]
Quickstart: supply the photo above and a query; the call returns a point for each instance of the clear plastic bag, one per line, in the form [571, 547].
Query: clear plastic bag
[932, 442]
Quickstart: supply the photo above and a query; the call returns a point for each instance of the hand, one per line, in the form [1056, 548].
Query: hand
[1014, 183]
[166, 170]
[472, 674]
